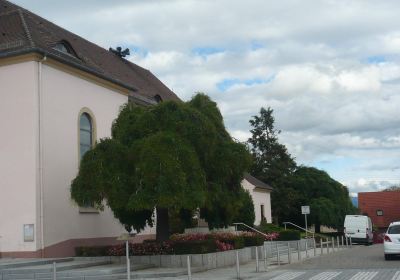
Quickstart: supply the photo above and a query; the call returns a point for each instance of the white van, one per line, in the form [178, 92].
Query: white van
[359, 228]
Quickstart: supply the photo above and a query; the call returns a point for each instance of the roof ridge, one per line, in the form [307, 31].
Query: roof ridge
[25, 26]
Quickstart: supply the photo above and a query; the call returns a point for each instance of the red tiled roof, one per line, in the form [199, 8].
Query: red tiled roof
[22, 31]
[387, 201]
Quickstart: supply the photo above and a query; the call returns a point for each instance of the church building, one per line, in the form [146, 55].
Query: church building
[59, 95]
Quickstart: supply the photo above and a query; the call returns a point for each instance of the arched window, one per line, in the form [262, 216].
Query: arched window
[158, 98]
[85, 133]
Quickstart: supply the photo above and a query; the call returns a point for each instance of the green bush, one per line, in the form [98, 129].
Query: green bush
[250, 241]
[94, 251]
[265, 227]
[237, 241]
[289, 234]
[194, 247]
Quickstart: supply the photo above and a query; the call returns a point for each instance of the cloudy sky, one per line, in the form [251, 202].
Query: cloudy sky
[329, 69]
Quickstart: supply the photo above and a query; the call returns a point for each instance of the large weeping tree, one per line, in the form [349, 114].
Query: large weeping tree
[172, 157]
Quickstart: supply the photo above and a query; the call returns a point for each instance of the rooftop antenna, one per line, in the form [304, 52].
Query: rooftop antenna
[118, 51]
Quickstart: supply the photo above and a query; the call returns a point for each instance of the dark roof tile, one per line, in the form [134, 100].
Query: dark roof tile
[257, 183]
[24, 30]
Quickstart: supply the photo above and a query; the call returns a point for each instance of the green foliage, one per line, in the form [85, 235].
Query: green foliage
[295, 186]
[268, 228]
[174, 156]
[194, 247]
[329, 200]
[271, 161]
[289, 234]
[236, 241]
[255, 240]
[245, 213]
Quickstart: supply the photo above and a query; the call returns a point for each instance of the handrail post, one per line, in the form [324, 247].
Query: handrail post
[315, 247]
[257, 264]
[306, 248]
[327, 245]
[54, 271]
[298, 250]
[322, 246]
[278, 257]
[265, 257]
[289, 253]
[237, 265]
[189, 268]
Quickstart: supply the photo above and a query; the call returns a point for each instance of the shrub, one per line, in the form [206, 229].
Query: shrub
[194, 247]
[191, 237]
[252, 239]
[222, 246]
[267, 228]
[94, 251]
[142, 249]
[287, 235]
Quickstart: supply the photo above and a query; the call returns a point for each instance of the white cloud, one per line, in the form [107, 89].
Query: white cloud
[309, 60]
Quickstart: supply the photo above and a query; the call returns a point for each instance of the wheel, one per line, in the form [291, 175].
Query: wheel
[388, 257]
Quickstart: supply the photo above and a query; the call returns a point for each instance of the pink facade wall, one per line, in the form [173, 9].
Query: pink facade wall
[18, 155]
[64, 96]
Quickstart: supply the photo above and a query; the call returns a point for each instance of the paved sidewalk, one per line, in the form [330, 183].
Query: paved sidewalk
[248, 271]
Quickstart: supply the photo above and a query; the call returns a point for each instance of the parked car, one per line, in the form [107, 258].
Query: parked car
[359, 229]
[391, 242]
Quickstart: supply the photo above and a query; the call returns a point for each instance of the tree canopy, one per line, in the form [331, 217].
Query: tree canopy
[329, 200]
[294, 186]
[170, 157]
[272, 163]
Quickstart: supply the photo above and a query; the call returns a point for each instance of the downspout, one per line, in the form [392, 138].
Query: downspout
[40, 144]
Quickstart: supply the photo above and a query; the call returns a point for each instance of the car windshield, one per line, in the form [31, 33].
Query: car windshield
[394, 229]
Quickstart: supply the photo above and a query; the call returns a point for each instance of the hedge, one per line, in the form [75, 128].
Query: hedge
[250, 241]
[194, 247]
[288, 234]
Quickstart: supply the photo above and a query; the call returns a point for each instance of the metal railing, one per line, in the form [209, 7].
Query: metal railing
[306, 230]
[249, 227]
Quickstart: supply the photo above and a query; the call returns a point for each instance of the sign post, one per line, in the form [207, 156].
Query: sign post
[127, 237]
[305, 210]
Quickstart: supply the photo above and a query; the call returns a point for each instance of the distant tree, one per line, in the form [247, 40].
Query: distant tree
[173, 157]
[329, 200]
[272, 163]
[392, 189]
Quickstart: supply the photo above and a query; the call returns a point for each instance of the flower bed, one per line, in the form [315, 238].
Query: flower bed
[194, 243]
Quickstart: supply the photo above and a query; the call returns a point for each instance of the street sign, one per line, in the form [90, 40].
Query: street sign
[305, 210]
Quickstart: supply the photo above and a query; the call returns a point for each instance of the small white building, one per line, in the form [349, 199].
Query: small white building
[261, 194]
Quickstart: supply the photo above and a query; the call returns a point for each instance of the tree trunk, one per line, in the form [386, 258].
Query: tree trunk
[162, 231]
[317, 227]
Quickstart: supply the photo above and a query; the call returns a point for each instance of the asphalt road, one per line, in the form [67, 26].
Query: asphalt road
[358, 263]
[358, 257]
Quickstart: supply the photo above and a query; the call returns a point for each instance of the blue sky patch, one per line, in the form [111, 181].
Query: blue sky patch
[226, 84]
[205, 51]
[136, 50]
[376, 59]
[256, 45]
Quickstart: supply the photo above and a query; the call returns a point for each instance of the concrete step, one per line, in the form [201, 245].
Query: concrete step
[48, 267]
[18, 263]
